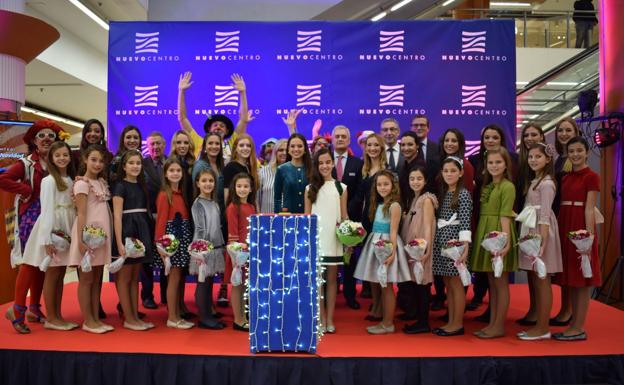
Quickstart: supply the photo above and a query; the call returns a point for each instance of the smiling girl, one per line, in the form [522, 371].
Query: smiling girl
[496, 214]
[327, 198]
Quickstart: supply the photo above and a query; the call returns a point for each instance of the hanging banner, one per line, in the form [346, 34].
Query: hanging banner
[458, 73]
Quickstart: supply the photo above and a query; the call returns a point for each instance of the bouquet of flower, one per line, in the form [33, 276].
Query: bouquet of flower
[454, 250]
[239, 252]
[199, 251]
[416, 249]
[350, 234]
[93, 237]
[530, 245]
[583, 240]
[167, 245]
[383, 250]
[494, 242]
[133, 248]
[61, 241]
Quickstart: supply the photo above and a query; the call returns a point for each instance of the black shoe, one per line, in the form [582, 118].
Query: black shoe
[217, 315]
[444, 333]
[444, 317]
[353, 304]
[212, 325]
[149, 304]
[472, 306]
[437, 305]
[556, 322]
[576, 337]
[187, 315]
[407, 317]
[416, 328]
[242, 328]
[525, 322]
[485, 317]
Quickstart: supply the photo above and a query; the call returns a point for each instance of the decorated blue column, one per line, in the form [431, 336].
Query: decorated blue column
[284, 280]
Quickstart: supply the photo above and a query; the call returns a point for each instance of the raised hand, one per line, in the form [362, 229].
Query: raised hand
[238, 82]
[185, 81]
[316, 128]
[291, 119]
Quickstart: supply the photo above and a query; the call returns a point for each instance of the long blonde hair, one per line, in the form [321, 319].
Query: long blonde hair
[190, 155]
[368, 163]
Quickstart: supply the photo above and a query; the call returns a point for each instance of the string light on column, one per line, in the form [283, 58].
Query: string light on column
[284, 283]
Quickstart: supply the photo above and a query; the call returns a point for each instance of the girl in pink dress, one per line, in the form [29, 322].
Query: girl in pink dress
[537, 217]
[91, 196]
[419, 221]
[579, 192]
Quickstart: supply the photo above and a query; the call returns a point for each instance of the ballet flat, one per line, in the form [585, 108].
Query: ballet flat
[96, 330]
[525, 337]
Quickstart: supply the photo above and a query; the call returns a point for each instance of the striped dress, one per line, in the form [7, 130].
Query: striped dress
[265, 193]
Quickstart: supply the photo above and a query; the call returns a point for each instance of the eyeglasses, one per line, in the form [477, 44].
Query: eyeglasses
[43, 135]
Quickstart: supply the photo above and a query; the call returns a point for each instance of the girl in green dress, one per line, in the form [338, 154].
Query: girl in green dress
[496, 214]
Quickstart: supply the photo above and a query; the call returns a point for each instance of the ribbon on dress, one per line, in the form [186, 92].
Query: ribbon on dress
[528, 218]
[451, 221]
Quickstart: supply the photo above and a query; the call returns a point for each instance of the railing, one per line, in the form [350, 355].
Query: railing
[535, 28]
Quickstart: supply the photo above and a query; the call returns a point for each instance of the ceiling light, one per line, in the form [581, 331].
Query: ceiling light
[52, 117]
[447, 2]
[90, 13]
[568, 84]
[508, 4]
[400, 4]
[379, 16]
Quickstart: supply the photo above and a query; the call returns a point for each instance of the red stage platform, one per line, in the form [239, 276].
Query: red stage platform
[164, 356]
[604, 328]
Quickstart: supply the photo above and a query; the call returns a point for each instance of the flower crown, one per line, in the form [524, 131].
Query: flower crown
[548, 149]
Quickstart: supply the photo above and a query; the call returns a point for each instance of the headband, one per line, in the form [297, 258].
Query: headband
[456, 159]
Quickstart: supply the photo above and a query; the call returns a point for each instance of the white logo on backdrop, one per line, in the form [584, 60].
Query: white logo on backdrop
[309, 41]
[391, 95]
[391, 41]
[225, 96]
[145, 96]
[146, 42]
[308, 95]
[227, 41]
[473, 96]
[473, 41]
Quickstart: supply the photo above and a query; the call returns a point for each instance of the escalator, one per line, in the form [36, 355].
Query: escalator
[553, 96]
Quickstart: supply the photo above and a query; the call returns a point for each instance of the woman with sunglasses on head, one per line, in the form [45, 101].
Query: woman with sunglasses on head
[24, 179]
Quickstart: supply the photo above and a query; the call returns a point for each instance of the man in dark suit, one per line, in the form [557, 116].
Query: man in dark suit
[390, 131]
[428, 151]
[153, 167]
[348, 170]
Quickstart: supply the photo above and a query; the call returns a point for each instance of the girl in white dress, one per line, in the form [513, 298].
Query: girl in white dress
[57, 213]
[328, 199]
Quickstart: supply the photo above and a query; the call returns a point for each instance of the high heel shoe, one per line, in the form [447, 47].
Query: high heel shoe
[34, 314]
[15, 314]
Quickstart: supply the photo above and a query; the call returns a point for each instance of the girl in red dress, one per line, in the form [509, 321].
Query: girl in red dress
[579, 192]
[240, 205]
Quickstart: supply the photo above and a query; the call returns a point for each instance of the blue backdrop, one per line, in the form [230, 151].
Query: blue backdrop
[459, 73]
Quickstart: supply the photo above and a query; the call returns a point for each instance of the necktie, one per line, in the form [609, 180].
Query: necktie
[423, 149]
[391, 162]
[339, 169]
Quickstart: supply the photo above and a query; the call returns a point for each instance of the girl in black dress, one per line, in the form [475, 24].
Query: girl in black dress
[131, 219]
